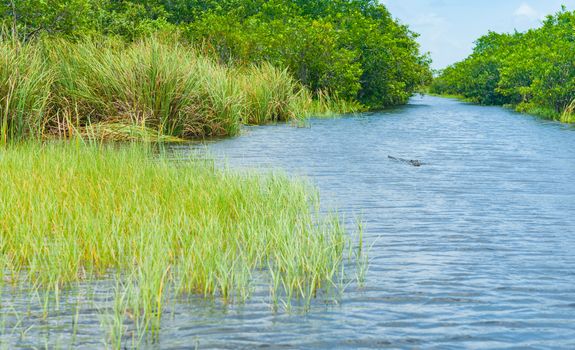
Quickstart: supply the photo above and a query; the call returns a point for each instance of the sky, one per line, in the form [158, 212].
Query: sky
[448, 28]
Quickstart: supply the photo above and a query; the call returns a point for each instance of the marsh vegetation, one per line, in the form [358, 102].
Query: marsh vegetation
[74, 213]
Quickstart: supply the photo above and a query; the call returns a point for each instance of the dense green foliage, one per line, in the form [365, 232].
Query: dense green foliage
[534, 71]
[350, 49]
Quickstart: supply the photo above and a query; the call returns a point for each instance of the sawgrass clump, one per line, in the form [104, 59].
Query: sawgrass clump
[57, 87]
[169, 88]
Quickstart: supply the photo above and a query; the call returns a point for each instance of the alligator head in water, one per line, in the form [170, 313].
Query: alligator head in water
[413, 162]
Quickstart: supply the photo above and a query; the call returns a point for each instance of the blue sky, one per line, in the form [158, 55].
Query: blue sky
[448, 28]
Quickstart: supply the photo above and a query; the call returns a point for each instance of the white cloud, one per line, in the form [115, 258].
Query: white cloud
[527, 12]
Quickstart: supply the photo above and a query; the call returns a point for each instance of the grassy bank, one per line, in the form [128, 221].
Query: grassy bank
[71, 212]
[567, 116]
[55, 87]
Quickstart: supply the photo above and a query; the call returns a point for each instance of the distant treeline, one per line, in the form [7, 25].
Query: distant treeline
[350, 49]
[533, 71]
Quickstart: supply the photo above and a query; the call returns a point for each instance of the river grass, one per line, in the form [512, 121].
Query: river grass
[72, 213]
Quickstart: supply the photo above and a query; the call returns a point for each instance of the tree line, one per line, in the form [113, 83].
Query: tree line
[533, 71]
[351, 49]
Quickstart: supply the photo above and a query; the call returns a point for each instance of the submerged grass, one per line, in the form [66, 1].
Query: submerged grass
[72, 212]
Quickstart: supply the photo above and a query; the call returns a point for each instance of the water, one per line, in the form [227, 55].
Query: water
[474, 249]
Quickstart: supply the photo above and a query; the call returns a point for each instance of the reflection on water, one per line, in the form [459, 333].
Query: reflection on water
[474, 249]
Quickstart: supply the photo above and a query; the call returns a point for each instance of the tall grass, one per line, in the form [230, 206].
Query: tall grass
[327, 105]
[568, 115]
[25, 82]
[71, 212]
[169, 88]
[56, 87]
[272, 95]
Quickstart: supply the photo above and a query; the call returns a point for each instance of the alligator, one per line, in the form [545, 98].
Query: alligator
[413, 162]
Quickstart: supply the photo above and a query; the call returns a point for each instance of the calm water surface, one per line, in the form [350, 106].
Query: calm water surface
[474, 249]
